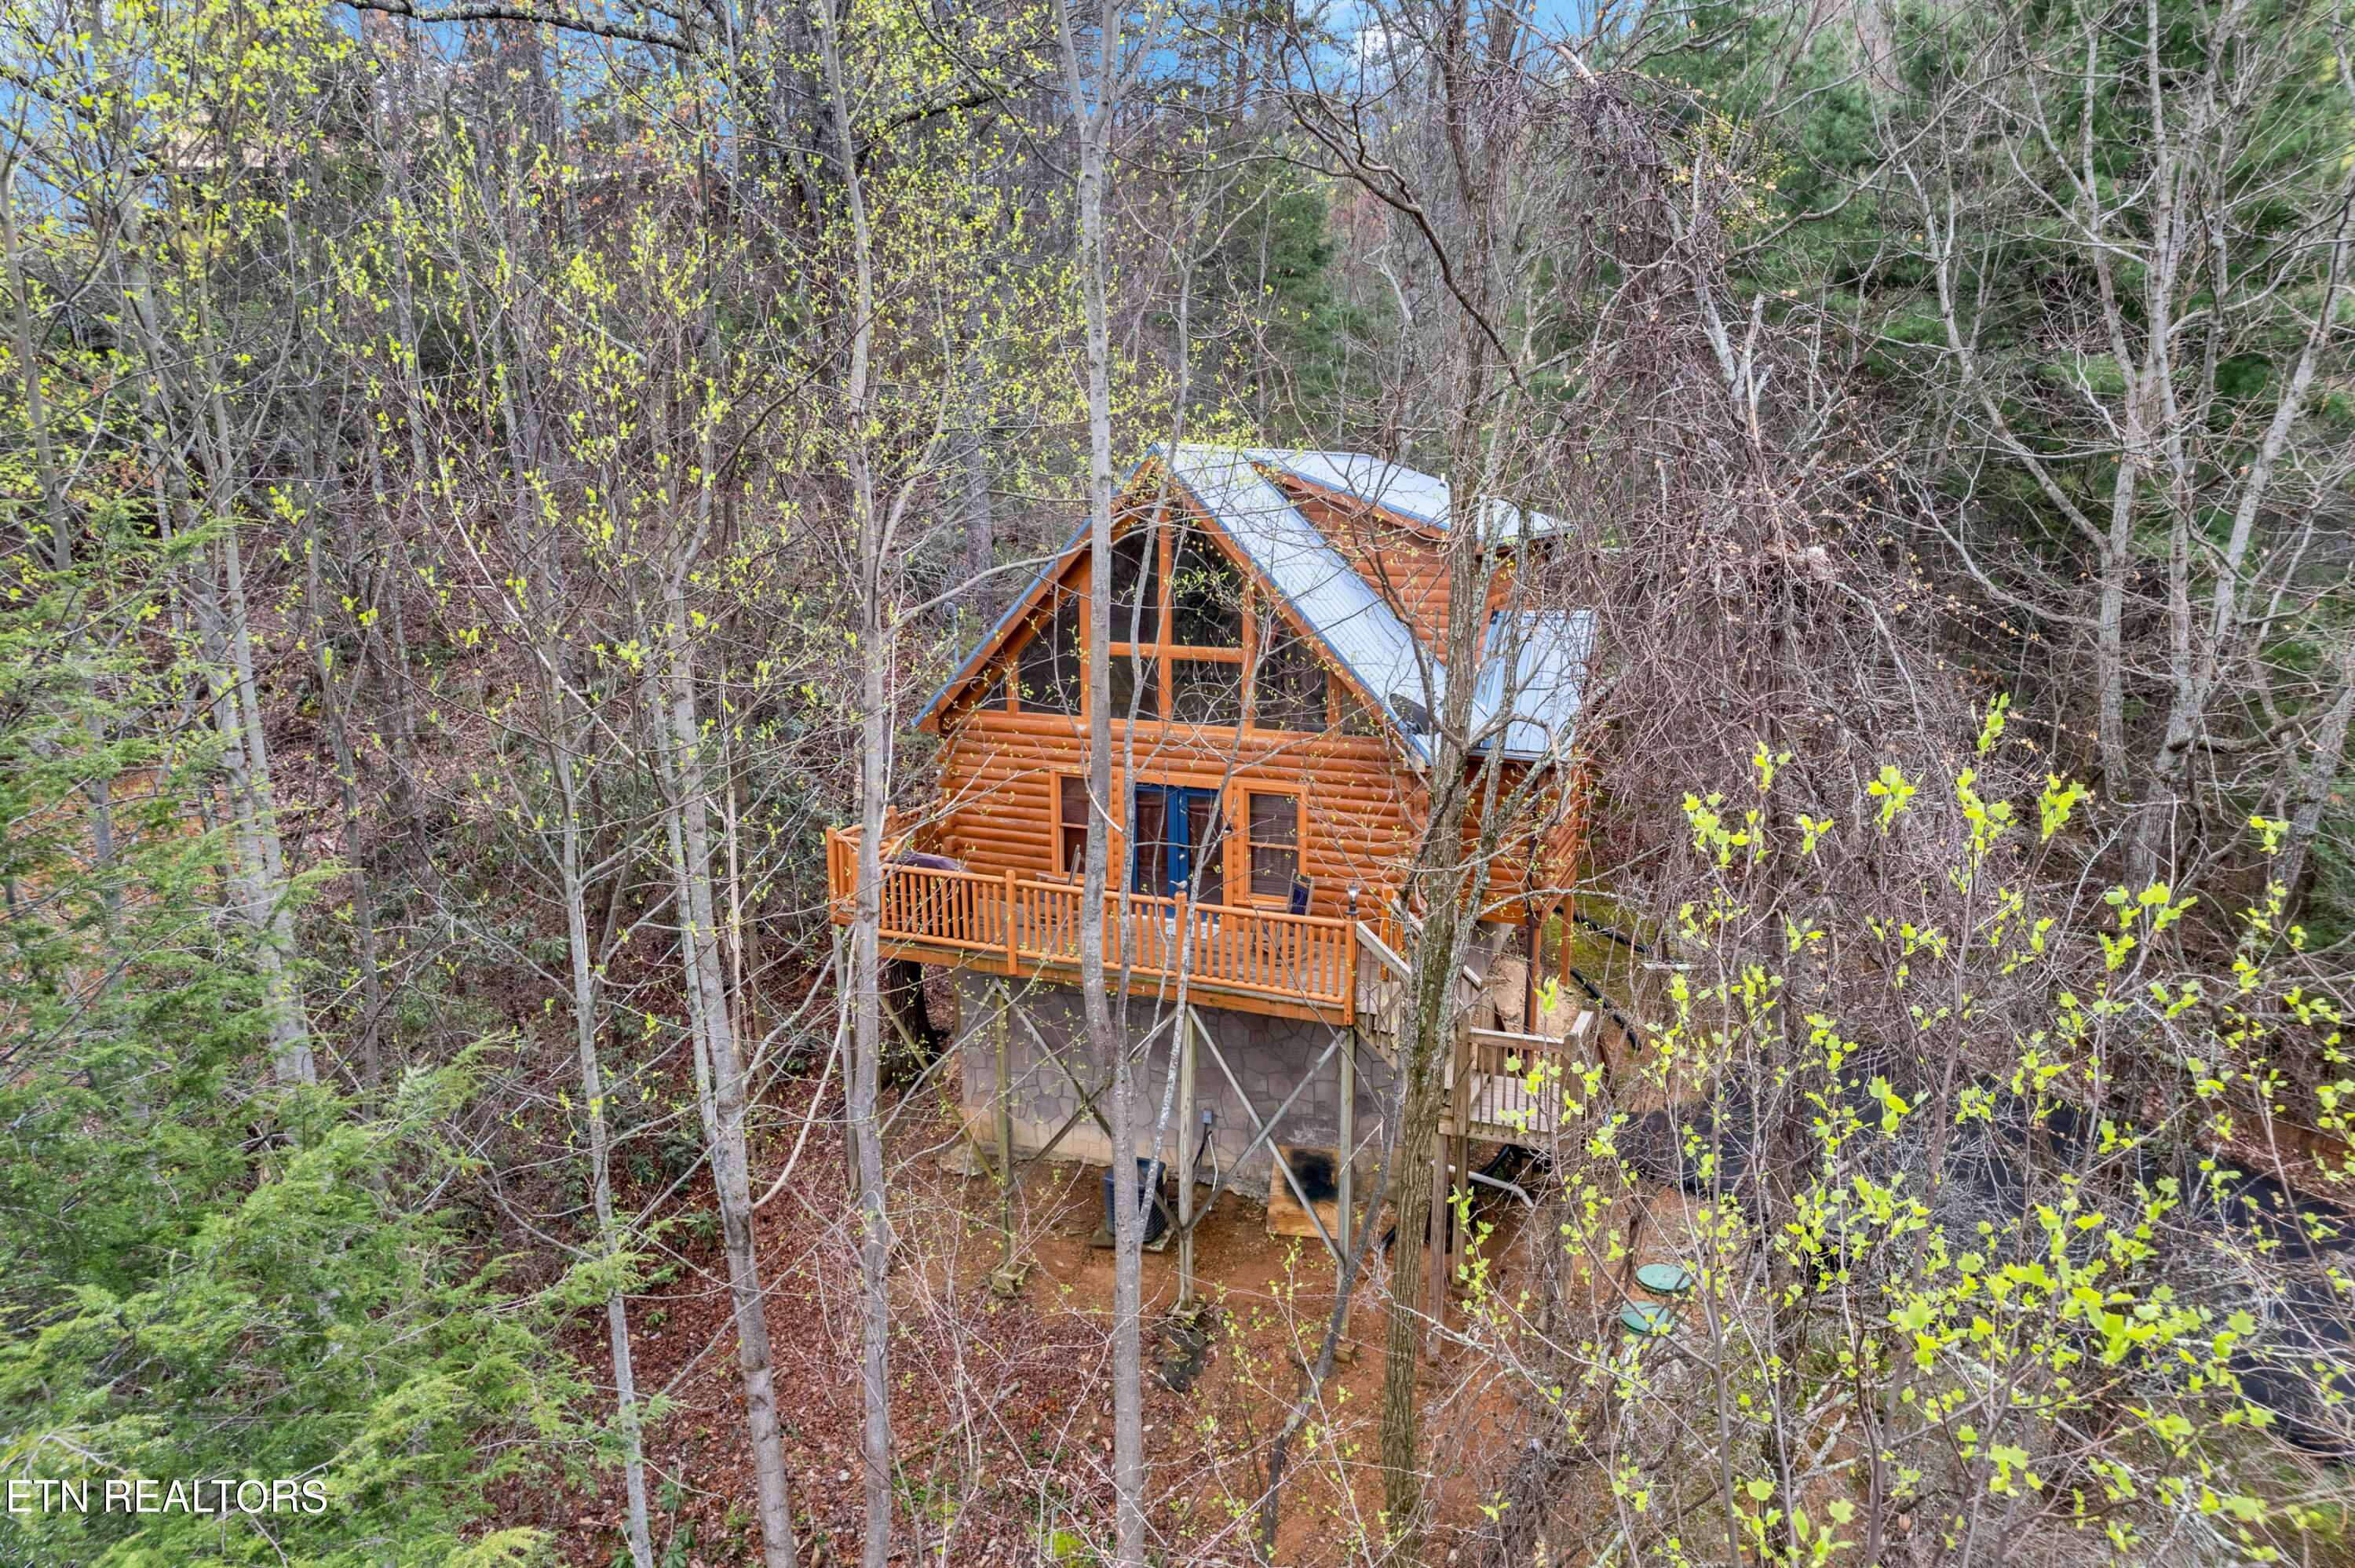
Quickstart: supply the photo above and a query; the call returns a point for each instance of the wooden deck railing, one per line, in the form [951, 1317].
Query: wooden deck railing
[1003, 922]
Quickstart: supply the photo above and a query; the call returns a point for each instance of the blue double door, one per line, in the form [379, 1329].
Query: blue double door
[1177, 837]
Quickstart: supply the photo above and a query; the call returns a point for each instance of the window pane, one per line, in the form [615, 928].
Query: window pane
[1073, 826]
[1151, 841]
[1355, 719]
[1049, 666]
[1206, 597]
[1136, 687]
[1274, 845]
[1137, 568]
[1206, 691]
[1206, 832]
[1288, 692]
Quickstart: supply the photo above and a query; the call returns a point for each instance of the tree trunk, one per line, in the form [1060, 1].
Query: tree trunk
[273, 909]
[58, 519]
[980, 521]
[333, 708]
[724, 1098]
[259, 862]
[1452, 891]
[1105, 1044]
[28, 367]
[875, 566]
[2314, 791]
[585, 963]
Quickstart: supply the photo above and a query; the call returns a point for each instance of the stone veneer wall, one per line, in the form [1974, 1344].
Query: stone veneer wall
[1268, 1056]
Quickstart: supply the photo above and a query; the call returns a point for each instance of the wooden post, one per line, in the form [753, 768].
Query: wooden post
[1009, 920]
[1350, 963]
[1348, 1137]
[1348, 1085]
[1005, 1128]
[1186, 1026]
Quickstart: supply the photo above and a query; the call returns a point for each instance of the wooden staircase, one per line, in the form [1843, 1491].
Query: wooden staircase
[1501, 1086]
[1488, 1073]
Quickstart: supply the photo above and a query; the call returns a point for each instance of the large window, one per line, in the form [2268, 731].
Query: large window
[1288, 688]
[1274, 845]
[1071, 825]
[1136, 587]
[1136, 676]
[1050, 673]
[1206, 691]
[1206, 595]
[1177, 605]
[1350, 715]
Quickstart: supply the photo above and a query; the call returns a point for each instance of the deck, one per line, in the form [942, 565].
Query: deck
[1247, 959]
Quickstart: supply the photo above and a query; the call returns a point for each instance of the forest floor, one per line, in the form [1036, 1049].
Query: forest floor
[1002, 1405]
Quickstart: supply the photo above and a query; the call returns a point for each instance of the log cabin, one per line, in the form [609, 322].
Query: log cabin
[1277, 620]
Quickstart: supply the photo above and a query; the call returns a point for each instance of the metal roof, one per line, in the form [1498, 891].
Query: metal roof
[1419, 497]
[1359, 631]
[1362, 634]
[1548, 678]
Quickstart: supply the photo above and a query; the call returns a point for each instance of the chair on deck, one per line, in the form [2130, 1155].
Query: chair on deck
[929, 912]
[1279, 945]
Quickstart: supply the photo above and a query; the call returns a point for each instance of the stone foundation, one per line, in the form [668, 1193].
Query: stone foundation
[1268, 1056]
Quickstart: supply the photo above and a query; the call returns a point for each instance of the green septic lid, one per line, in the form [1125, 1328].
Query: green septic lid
[1664, 1278]
[1647, 1322]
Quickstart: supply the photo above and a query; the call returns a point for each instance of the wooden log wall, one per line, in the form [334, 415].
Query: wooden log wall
[1000, 780]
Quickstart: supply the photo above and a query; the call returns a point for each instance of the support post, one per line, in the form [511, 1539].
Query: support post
[1348, 1134]
[1186, 1027]
[1005, 1127]
[1012, 953]
[1343, 1179]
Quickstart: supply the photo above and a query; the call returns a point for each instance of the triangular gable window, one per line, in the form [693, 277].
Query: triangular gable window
[1050, 672]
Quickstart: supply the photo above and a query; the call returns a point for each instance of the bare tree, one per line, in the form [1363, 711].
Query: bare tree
[2124, 449]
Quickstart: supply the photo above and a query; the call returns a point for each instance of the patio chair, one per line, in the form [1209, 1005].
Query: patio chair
[1303, 889]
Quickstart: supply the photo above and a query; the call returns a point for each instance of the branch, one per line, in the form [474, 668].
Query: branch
[977, 97]
[493, 11]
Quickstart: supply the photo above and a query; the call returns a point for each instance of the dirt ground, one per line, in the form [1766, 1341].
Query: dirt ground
[1002, 1405]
